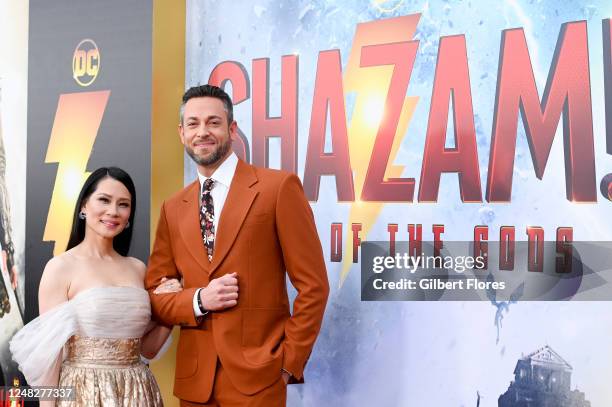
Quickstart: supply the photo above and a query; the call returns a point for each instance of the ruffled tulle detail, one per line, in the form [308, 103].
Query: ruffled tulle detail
[101, 312]
[37, 346]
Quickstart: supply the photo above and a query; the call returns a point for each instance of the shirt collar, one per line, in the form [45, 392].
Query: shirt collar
[224, 174]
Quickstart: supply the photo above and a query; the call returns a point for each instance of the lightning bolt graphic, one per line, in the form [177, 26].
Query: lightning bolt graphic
[74, 131]
[369, 85]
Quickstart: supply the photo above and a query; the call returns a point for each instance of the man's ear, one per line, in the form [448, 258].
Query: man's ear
[181, 133]
[233, 130]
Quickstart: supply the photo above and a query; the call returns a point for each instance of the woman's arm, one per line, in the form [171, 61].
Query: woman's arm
[155, 338]
[157, 334]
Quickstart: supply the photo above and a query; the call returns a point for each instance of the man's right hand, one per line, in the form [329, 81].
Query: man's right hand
[220, 293]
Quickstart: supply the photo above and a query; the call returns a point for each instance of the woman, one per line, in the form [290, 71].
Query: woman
[95, 316]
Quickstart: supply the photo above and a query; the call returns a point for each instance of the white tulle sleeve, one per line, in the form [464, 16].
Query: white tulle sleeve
[37, 346]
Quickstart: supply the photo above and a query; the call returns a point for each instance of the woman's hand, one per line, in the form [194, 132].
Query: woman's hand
[168, 286]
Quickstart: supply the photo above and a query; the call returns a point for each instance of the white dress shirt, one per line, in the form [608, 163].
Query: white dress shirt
[223, 179]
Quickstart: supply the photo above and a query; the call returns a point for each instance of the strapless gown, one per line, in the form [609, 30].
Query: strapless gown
[97, 334]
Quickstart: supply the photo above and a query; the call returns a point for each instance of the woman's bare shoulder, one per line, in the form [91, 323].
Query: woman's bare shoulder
[137, 266]
[55, 282]
[59, 267]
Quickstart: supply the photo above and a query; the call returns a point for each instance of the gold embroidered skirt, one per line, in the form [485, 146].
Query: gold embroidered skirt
[107, 372]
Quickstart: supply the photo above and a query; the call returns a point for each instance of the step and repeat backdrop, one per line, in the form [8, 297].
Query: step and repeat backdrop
[444, 124]
[457, 156]
[76, 95]
[13, 127]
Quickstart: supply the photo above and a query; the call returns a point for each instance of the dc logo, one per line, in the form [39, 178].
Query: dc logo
[85, 62]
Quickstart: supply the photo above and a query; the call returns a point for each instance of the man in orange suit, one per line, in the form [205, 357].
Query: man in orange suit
[232, 236]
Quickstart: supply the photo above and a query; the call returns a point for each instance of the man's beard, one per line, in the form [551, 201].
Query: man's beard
[213, 158]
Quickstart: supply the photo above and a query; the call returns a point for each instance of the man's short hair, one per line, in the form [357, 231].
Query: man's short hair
[212, 92]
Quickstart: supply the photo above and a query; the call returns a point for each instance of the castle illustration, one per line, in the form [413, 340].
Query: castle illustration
[542, 379]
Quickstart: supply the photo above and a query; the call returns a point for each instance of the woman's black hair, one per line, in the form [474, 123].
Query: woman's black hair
[121, 242]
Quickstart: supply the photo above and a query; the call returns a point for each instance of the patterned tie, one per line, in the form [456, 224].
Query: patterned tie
[207, 217]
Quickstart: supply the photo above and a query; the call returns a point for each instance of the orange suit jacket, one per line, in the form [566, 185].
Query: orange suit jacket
[266, 231]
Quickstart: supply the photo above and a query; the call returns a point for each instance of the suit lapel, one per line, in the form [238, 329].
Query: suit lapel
[239, 199]
[190, 225]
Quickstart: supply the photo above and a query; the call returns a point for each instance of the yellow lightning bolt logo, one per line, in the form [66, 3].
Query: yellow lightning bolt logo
[74, 132]
[369, 85]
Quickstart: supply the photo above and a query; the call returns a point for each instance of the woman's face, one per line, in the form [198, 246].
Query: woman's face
[108, 209]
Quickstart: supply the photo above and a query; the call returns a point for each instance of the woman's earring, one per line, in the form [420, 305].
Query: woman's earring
[127, 225]
[81, 215]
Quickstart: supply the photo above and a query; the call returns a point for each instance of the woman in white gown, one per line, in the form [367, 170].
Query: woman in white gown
[95, 316]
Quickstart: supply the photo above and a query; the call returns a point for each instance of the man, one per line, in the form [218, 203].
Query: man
[232, 236]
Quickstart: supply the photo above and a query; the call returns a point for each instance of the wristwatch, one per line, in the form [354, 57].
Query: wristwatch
[200, 305]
